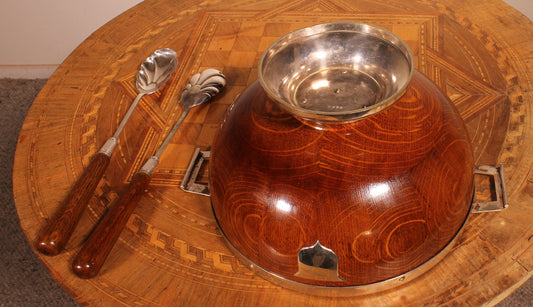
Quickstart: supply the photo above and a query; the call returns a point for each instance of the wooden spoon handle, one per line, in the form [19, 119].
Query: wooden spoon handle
[59, 228]
[94, 252]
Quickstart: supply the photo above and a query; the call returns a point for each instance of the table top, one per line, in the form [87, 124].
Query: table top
[479, 53]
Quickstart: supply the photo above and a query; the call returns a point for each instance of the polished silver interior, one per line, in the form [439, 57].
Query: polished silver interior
[337, 71]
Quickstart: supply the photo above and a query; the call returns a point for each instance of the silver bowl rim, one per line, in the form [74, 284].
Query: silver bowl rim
[338, 26]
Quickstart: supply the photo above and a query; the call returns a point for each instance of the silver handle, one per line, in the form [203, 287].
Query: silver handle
[501, 202]
[189, 183]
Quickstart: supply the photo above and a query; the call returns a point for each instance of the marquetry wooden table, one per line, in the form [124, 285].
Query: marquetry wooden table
[479, 53]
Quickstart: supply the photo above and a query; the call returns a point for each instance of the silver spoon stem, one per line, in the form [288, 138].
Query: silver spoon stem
[110, 144]
[202, 88]
[128, 115]
[152, 162]
[153, 73]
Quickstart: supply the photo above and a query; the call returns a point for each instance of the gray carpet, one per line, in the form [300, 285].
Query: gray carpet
[24, 281]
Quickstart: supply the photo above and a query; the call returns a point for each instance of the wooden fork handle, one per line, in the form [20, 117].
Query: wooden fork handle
[94, 252]
[59, 228]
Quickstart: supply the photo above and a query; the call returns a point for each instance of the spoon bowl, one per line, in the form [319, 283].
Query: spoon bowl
[156, 70]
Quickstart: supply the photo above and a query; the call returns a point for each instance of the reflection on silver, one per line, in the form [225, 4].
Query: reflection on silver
[337, 71]
[156, 70]
[208, 83]
[318, 262]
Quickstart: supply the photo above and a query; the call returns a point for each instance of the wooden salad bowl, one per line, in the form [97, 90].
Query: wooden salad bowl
[336, 196]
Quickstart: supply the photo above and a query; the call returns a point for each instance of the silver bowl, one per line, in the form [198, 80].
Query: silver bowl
[336, 72]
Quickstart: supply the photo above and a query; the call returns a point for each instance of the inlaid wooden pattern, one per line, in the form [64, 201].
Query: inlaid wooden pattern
[476, 52]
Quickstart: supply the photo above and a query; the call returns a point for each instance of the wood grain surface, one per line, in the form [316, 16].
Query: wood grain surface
[171, 251]
[386, 193]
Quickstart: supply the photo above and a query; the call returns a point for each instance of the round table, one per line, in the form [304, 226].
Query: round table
[171, 251]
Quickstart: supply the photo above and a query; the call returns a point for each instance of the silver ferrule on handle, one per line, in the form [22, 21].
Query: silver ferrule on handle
[111, 143]
[109, 146]
[149, 166]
